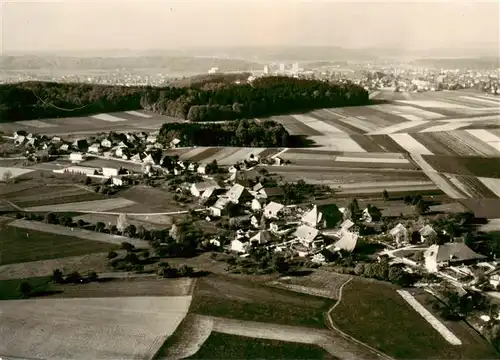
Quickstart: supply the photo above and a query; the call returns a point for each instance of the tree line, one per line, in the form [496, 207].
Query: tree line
[208, 101]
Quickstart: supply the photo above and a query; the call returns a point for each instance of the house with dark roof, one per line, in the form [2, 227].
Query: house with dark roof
[271, 193]
[439, 256]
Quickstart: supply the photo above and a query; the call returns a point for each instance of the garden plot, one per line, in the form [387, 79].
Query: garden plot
[481, 100]
[78, 233]
[99, 328]
[86, 206]
[192, 153]
[107, 117]
[222, 153]
[340, 142]
[14, 172]
[492, 184]
[487, 137]
[433, 104]
[295, 127]
[407, 126]
[446, 127]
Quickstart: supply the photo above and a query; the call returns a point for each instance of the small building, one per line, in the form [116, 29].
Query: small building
[272, 210]
[438, 256]
[109, 172]
[257, 187]
[370, 214]
[219, 207]
[208, 196]
[64, 147]
[136, 158]
[151, 139]
[18, 140]
[119, 180]
[426, 233]
[202, 169]
[175, 142]
[76, 157]
[399, 233]
[106, 143]
[347, 242]
[94, 148]
[239, 246]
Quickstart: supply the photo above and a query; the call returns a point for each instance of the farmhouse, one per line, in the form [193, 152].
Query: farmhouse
[220, 206]
[307, 235]
[106, 143]
[399, 234]
[76, 157]
[272, 210]
[238, 194]
[438, 256]
[199, 188]
[94, 148]
[370, 214]
[312, 218]
[109, 172]
[256, 205]
[202, 169]
[347, 242]
[239, 246]
[262, 237]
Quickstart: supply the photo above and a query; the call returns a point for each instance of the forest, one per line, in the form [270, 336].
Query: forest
[206, 100]
[242, 133]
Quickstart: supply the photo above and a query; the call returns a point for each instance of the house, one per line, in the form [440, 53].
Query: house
[55, 139]
[76, 157]
[347, 242]
[307, 235]
[262, 237]
[202, 169]
[240, 178]
[346, 226]
[136, 158]
[219, 207]
[106, 143]
[252, 158]
[399, 233]
[94, 148]
[256, 205]
[426, 233]
[192, 167]
[255, 221]
[271, 193]
[174, 143]
[238, 194]
[199, 188]
[109, 172]
[233, 169]
[272, 210]
[370, 214]
[312, 218]
[19, 139]
[151, 139]
[239, 246]
[119, 180]
[278, 161]
[148, 159]
[64, 147]
[208, 196]
[257, 187]
[19, 134]
[438, 256]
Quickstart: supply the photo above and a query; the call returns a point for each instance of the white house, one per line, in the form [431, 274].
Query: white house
[19, 139]
[76, 157]
[117, 181]
[399, 233]
[238, 194]
[202, 169]
[106, 143]
[347, 242]
[151, 139]
[175, 142]
[438, 256]
[306, 234]
[239, 246]
[312, 218]
[199, 188]
[427, 232]
[136, 158]
[94, 148]
[220, 205]
[107, 171]
[64, 147]
[272, 210]
[256, 205]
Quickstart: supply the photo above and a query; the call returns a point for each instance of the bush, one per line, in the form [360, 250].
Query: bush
[112, 255]
[25, 289]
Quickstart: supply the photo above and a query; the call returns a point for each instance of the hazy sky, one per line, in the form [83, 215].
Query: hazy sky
[36, 25]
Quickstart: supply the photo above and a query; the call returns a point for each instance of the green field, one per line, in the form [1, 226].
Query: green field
[220, 296]
[377, 315]
[9, 288]
[223, 346]
[16, 247]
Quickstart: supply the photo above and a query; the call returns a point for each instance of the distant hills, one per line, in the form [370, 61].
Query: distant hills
[166, 63]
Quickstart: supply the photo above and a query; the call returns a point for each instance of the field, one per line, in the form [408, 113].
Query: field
[220, 296]
[14, 172]
[16, 247]
[224, 346]
[85, 206]
[83, 263]
[9, 288]
[368, 307]
[89, 328]
[150, 286]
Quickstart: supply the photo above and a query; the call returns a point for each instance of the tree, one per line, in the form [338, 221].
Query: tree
[127, 246]
[122, 222]
[185, 270]
[57, 276]
[74, 277]
[385, 195]
[112, 255]
[130, 231]
[87, 181]
[421, 207]
[92, 276]
[81, 223]
[100, 226]
[50, 218]
[25, 289]
[7, 177]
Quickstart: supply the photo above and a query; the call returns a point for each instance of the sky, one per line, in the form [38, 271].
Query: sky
[67, 25]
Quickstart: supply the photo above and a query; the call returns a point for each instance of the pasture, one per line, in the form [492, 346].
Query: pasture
[221, 296]
[103, 205]
[9, 288]
[89, 328]
[369, 306]
[82, 234]
[225, 346]
[19, 245]
[12, 172]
